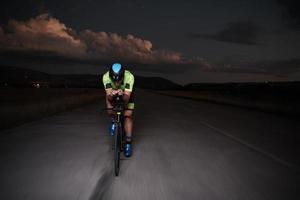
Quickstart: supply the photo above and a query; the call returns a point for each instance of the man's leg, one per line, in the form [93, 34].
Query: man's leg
[128, 123]
[109, 106]
[111, 115]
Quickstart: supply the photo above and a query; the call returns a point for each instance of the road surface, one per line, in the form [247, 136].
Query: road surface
[183, 149]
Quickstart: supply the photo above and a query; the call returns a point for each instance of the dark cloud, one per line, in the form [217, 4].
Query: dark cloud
[243, 32]
[45, 33]
[291, 15]
[48, 59]
[283, 66]
[271, 67]
[45, 38]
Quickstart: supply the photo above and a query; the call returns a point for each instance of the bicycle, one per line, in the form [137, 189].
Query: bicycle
[119, 133]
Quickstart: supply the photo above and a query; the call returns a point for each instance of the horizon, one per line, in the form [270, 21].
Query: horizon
[147, 76]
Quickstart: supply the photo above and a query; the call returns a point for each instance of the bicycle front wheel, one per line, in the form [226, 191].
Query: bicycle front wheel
[117, 149]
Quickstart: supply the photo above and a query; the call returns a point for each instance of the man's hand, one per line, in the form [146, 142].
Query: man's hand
[117, 92]
[111, 93]
[120, 92]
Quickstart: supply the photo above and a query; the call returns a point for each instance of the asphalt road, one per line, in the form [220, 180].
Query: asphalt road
[183, 149]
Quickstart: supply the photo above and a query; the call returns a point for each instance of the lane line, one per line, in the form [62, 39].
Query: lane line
[242, 142]
[252, 147]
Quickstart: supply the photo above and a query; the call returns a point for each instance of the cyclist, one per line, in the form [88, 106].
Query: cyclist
[120, 81]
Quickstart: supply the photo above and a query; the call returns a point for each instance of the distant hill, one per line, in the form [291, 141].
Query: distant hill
[156, 83]
[279, 88]
[20, 77]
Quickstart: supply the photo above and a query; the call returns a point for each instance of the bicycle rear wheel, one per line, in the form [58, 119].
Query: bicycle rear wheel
[117, 149]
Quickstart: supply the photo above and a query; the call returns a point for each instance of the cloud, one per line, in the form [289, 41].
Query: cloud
[44, 39]
[268, 67]
[291, 15]
[243, 32]
[42, 33]
[288, 66]
[45, 33]
[130, 48]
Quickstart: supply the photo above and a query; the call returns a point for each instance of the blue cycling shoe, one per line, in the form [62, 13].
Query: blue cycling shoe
[128, 150]
[112, 129]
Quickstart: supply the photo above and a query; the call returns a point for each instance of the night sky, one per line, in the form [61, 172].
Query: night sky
[183, 40]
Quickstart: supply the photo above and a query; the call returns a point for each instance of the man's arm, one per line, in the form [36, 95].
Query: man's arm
[108, 87]
[109, 94]
[128, 88]
[126, 96]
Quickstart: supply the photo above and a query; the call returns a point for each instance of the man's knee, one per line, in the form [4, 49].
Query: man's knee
[128, 115]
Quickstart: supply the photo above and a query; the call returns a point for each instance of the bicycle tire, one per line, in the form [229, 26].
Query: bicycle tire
[117, 150]
[121, 137]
